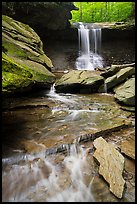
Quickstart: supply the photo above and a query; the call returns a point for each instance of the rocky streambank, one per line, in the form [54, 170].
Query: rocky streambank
[24, 63]
[116, 79]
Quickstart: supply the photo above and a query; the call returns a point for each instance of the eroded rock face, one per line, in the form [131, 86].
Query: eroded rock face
[23, 60]
[125, 93]
[77, 81]
[111, 165]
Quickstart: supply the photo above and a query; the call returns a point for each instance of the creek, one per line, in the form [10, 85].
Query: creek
[43, 158]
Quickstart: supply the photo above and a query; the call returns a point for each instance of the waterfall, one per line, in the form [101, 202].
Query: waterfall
[96, 40]
[89, 40]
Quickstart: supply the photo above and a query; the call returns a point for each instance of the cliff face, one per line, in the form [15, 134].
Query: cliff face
[24, 63]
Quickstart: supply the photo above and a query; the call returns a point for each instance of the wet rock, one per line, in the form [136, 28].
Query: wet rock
[101, 191]
[125, 93]
[111, 165]
[32, 146]
[77, 81]
[115, 125]
[27, 106]
[128, 148]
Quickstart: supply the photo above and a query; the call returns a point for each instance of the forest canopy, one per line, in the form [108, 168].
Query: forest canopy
[103, 11]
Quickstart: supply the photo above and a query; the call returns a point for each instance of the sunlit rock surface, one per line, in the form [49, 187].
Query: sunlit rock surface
[111, 165]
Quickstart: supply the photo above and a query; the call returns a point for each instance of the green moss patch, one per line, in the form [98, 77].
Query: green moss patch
[12, 82]
[8, 65]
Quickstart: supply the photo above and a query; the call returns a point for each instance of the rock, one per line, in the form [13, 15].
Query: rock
[113, 69]
[105, 129]
[28, 106]
[128, 148]
[119, 77]
[23, 60]
[77, 81]
[111, 165]
[41, 15]
[125, 93]
[32, 146]
[128, 108]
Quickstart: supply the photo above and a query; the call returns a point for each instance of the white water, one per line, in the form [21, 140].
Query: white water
[41, 180]
[89, 48]
[64, 98]
[75, 162]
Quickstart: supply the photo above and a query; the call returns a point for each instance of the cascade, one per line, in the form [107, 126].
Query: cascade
[42, 180]
[89, 40]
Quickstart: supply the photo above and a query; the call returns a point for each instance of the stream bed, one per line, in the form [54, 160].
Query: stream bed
[44, 161]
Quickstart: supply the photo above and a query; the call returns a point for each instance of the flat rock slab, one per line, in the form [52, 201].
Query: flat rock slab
[111, 165]
[128, 148]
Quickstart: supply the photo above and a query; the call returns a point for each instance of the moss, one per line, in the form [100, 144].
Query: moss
[36, 55]
[40, 77]
[15, 76]
[8, 65]
[22, 28]
[23, 60]
[12, 82]
[14, 50]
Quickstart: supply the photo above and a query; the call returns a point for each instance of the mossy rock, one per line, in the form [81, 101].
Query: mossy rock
[23, 58]
[79, 81]
[12, 82]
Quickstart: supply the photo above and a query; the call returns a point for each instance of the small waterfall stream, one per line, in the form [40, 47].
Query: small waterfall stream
[45, 159]
[40, 163]
[39, 179]
[89, 47]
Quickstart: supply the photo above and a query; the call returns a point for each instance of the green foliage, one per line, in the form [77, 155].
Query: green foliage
[102, 11]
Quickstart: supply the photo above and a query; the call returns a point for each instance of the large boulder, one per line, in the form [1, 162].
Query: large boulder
[116, 74]
[24, 62]
[77, 81]
[113, 69]
[125, 93]
[119, 77]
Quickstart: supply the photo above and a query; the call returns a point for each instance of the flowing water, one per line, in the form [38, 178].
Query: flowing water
[44, 158]
[43, 162]
[89, 40]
